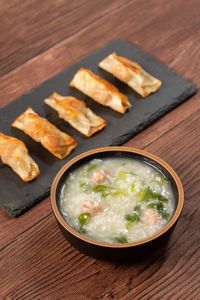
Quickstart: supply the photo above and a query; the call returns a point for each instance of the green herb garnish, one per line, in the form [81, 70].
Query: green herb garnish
[106, 190]
[160, 208]
[128, 224]
[84, 186]
[159, 197]
[137, 208]
[165, 215]
[117, 193]
[141, 195]
[161, 179]
[157, 205]
[122, 239]
[148, 195]
[133, 217]
[122, 175]
[91, 168]
[132, 188]
[103, 190]
[84, 218]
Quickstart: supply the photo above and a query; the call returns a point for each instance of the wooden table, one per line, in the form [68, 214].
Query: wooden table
[41, 38]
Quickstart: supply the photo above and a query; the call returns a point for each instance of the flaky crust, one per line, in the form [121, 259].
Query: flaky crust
[41, 130]
[100, 90]
[131, 73]
[14, 153]
[75, 112]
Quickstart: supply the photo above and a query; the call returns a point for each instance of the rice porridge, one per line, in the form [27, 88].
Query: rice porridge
[117, 200]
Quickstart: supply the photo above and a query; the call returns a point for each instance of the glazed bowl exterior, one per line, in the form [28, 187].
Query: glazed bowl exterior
[105, 250]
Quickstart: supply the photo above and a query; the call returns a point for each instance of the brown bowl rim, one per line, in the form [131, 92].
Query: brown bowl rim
[87, 239]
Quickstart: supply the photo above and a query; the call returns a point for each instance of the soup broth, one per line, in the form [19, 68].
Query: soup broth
[117, 200]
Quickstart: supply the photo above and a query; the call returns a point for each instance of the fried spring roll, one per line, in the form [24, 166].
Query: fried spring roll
[75, 112]
[41, 130]
[130, 73]
[100, 90]
[14, 153]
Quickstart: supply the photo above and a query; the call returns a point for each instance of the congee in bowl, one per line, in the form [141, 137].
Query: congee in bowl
[116, 203]
[117, 200]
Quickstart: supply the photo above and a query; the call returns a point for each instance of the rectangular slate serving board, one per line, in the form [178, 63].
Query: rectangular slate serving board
[16, 197]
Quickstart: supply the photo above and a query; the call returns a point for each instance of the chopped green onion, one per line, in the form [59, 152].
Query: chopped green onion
[137, 208]
[165, 215]
[122, 175]
[159, 197]
[128, 225]
[105, 190]
[141, 195]
[161, 179]
[132, 188]
[157, 205]
[84, 218]
[84, 186]
[122, 239]
[117, 193]
[91, 168]
[147, 195]
[134, 216]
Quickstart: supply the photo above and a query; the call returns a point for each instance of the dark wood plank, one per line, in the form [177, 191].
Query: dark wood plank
[66, 53]
[35, 260]
[42, 25]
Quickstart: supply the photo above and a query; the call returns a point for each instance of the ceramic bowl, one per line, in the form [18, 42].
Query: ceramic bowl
[105, 250]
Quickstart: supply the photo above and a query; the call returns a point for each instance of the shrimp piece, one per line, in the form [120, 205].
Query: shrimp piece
[100, 177]
[91, 207]
[151, 217]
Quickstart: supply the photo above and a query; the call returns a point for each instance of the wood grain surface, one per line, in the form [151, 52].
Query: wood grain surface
[41, 38]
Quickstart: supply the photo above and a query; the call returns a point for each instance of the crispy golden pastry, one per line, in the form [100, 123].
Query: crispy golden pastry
[100, 90]
[41, 130]
[14, 153]
[131, 73]
[76, 113]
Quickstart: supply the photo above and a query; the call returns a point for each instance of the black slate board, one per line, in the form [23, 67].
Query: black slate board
[16, 197]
